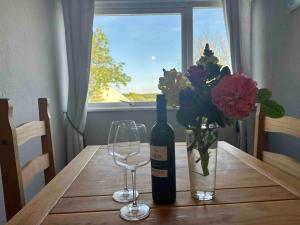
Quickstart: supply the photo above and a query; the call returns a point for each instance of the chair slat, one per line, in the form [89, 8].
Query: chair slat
[286, 125]
[27, 131]
[282, 162]
[34, 167]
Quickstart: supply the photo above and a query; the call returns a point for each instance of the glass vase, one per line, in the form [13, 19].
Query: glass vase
[202, 160]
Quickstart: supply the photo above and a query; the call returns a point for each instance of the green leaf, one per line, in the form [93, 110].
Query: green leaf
[264, 94]
[186, 116]
[225, 71]
[272, 109]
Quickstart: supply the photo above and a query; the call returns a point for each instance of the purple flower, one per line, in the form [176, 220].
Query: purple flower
[196, 76]
[186, 97]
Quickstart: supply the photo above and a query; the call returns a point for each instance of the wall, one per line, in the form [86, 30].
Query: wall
[98, 123]
[276, 61]
[29, 69]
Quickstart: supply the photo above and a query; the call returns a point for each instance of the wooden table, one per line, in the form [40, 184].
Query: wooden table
[249, 191]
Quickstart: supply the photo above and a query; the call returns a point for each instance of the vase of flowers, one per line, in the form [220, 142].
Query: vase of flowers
[202, 160]
[209, 97]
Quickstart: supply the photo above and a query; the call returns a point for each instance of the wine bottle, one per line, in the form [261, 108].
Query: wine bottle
[162, 153]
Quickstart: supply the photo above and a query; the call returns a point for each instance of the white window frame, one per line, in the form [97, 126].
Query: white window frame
[182, 7]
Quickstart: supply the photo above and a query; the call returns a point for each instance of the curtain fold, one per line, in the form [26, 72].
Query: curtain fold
[231, 14]
[78, 20]
[237, 15]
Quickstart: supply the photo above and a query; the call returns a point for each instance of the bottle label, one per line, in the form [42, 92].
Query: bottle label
[159, 173]
[159, 160]
[159, 153]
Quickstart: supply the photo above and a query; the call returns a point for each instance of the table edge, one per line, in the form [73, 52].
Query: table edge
[46, 199]
[52, 192]
[287, 181]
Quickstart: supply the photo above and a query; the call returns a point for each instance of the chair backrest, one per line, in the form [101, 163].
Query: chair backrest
[285, 125]
[15, 178]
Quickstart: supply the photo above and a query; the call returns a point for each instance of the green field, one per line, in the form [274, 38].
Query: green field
[135, 97]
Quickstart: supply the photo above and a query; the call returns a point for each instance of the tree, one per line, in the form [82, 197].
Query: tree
[104, 70]
[217, 42]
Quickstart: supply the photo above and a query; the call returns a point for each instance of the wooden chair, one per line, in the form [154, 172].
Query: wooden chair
[285, 125]
[14, 177]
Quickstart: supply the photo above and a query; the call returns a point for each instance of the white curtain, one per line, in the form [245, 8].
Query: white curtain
[78, 19]
[237, 15]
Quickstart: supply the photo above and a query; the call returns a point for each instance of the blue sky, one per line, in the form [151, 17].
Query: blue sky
[149, 43]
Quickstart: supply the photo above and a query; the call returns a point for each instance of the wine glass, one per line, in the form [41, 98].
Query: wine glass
[142, 130]
[125, 195]
[127, 144]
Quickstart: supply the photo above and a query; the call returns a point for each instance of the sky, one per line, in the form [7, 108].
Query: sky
[149, 43]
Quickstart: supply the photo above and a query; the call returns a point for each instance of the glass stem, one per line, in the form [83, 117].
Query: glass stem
[133, 172]
[125, 177]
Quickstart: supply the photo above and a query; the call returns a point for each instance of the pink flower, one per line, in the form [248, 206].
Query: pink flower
[235, 95]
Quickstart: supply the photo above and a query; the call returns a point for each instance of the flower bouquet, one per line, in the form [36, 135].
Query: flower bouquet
[208, 96]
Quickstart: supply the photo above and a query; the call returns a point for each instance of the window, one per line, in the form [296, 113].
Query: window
[133, 42]
[212, 31]
[138, 47]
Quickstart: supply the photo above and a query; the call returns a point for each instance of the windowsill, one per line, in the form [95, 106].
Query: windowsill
[124, 109]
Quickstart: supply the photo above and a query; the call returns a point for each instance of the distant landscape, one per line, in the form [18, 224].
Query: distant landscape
[136, 97]
[124, 72]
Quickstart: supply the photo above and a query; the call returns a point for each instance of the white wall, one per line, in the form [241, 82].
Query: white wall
[30, 68]
[276, 61]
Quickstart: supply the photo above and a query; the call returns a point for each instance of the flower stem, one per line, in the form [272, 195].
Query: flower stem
[203, 146]
[204, 157]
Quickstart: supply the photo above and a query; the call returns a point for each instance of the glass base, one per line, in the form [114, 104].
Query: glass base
[134, 213]
[203, 195]
[124, 196]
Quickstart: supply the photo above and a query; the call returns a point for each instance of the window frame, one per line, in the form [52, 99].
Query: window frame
[182, 7]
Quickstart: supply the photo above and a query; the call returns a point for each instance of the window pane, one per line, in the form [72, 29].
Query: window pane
[129, 53]
[209, 27]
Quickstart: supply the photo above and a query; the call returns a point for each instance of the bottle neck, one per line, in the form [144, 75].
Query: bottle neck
[161, 109]
[161, 116]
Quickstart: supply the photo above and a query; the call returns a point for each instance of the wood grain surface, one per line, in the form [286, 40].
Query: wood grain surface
[258, 213]
[183, 198]
[290, 182]
[282, 162]
[231, 173]
[247, 193]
